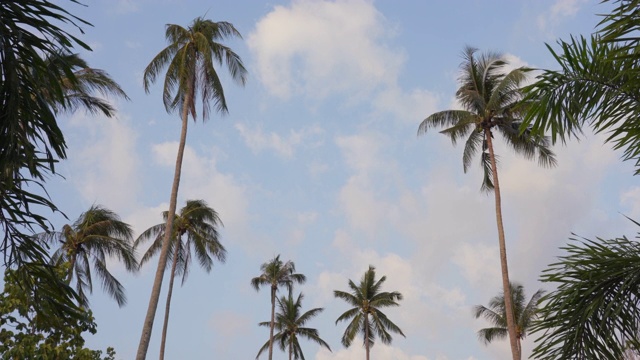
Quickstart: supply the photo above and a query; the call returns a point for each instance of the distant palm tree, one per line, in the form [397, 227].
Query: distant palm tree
[492, 102]
[290, 324]
[190, 58]
[199, 224]
[276, 273]
[97, 234]
[366, 316]
[524, 312]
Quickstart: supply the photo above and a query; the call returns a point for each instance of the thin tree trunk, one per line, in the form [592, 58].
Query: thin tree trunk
[162, 261]
[366, 334]
[290, 348]
[511, 324]
[273, 319]
[168, 306]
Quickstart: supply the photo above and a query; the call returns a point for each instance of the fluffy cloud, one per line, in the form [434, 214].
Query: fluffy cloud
[202, 180]
[557, 12]
[103, 160]
[324, 47]
[318, 49]
[257, 140]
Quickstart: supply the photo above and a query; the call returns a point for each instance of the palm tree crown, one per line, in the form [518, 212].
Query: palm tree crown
[366, 317]
[198, 224]
[97, 234]
[491, 100]
[525, 313]
[191, 57]
[276, 273]
[290, 324]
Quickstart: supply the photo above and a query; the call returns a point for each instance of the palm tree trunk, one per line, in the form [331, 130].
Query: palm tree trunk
[290, 349]
[273, 319]
[511, 324]
[162, 261]
[168, 306]
[366, 334]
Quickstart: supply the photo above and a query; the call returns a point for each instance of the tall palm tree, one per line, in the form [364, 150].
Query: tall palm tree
[198, 224]
[524, 312]
[276, 273]
[190, 59]
[366, 317]
[290, 324]
[97, 234]
[491, 99]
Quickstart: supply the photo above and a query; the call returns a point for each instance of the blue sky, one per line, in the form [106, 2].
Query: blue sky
[318, 161]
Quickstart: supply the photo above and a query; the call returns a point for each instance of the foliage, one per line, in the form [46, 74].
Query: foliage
[595, 310]
[276, 273]
[38, 78]
[97, 234]
[491, 100]
[524, 312]
[290, 325]
[28, 330]
[597, 84]
[199, 223]
[366, 317]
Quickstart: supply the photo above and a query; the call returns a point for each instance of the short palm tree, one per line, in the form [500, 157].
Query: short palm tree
[190, 59]
[97, 234]
[290, 325]
[194, 228]
[276, 273]
[524, 312]
[491, 99]
[366, 317]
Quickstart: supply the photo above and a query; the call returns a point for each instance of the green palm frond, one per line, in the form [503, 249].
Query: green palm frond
[524, 312]
[289, 323]
[97, 234]
[365, 316]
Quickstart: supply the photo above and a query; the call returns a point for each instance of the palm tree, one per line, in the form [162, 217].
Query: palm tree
[190, 59]
[366, 316]
[199, 223]
[97, 234]
[290, 324]
[492, 103]
[524, 312]
[276, 273]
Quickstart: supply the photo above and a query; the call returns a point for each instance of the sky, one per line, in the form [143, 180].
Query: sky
[318, 161]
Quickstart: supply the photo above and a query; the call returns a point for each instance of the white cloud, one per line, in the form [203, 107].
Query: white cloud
[478, 263]
[202, 180]
[257, 140]
[324, 47]
[104, 162]
[555, 14]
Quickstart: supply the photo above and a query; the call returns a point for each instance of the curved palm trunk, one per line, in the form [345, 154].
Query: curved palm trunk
[162, 261]
[366, 334]
[273, 319]
[508, 300]
[168, 306]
